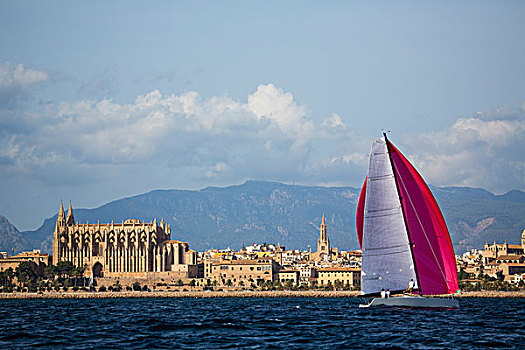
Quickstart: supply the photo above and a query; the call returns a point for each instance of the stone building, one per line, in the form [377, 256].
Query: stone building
[128, 249]
[247, 271]
[289, 275]
[507, 259]
[493, 251]
[39, 261]
[307, 274]
[346, 276]
[509, 270]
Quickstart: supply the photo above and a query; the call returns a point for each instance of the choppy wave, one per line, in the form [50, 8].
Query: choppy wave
[316, 323]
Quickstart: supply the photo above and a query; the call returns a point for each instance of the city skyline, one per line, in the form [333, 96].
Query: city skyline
[99, 102]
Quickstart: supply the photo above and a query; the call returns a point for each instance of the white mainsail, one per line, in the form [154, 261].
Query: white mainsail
[387, 261]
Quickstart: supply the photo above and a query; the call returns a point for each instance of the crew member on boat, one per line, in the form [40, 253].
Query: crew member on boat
[410, 287]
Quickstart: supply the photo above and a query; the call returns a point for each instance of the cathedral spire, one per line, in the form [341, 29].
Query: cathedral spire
[61, 214]
[323, 235]
[70, 220]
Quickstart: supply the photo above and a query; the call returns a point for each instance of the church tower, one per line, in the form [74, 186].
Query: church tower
[61, 215]
[60, 226]
[523, 241]
[323, 243]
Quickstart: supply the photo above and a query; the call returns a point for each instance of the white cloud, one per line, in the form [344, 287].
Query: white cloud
[484, 150]
[15, 82]
[194, 142]
[17, 75]
[269, 136]
[280, 107]
[334, 121]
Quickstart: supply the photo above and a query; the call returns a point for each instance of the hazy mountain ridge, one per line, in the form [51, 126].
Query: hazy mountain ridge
[474, 217]
[10, 237]
[274, 212]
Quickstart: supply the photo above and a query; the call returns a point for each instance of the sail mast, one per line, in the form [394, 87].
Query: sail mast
[403, 211]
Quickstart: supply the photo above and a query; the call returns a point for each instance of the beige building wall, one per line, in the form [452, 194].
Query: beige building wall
[289, 275]
[307, 274]
[38, 260]
[510, 269]
[351, 277]
[494, 251]
[248, 271]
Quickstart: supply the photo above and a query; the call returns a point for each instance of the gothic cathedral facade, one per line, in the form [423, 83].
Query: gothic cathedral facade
[128, 249]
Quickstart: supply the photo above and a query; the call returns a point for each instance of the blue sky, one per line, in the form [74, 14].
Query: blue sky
[100, 101]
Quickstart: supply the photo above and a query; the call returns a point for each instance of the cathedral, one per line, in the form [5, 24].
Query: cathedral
[128, 249]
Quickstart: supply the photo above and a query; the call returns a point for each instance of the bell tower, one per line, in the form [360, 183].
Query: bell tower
[323, 243]
[60, 227]
[523, 241]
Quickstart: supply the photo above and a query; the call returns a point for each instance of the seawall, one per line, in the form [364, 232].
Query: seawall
[229, 294]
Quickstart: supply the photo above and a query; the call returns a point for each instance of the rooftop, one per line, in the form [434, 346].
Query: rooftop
[246, 262]
[510, 257]
[338, 269]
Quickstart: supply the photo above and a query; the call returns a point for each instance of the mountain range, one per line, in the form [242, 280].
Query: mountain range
[272, 212]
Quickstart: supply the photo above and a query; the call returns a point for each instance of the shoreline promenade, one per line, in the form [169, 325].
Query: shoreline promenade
[230, 294]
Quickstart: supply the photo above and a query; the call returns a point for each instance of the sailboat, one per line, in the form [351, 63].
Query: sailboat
[403, 235]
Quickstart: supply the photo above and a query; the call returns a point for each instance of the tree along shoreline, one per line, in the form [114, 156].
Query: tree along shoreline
[25, 278]
[229, 294]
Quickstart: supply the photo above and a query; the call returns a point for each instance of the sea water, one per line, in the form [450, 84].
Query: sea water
[257, 323]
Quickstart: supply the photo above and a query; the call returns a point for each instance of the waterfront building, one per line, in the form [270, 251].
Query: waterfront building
[307, 274]
[507, 260]
[346, 276]
[128, 249]
[493, 251]
[510, 269]
[39, 261]
[289, 276]
[247, 271]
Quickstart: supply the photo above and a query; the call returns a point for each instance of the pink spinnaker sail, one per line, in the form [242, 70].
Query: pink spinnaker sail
[360, 217]
[432, 247]
[431, 244]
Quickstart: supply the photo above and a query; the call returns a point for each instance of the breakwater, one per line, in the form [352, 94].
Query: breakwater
[230, 294]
